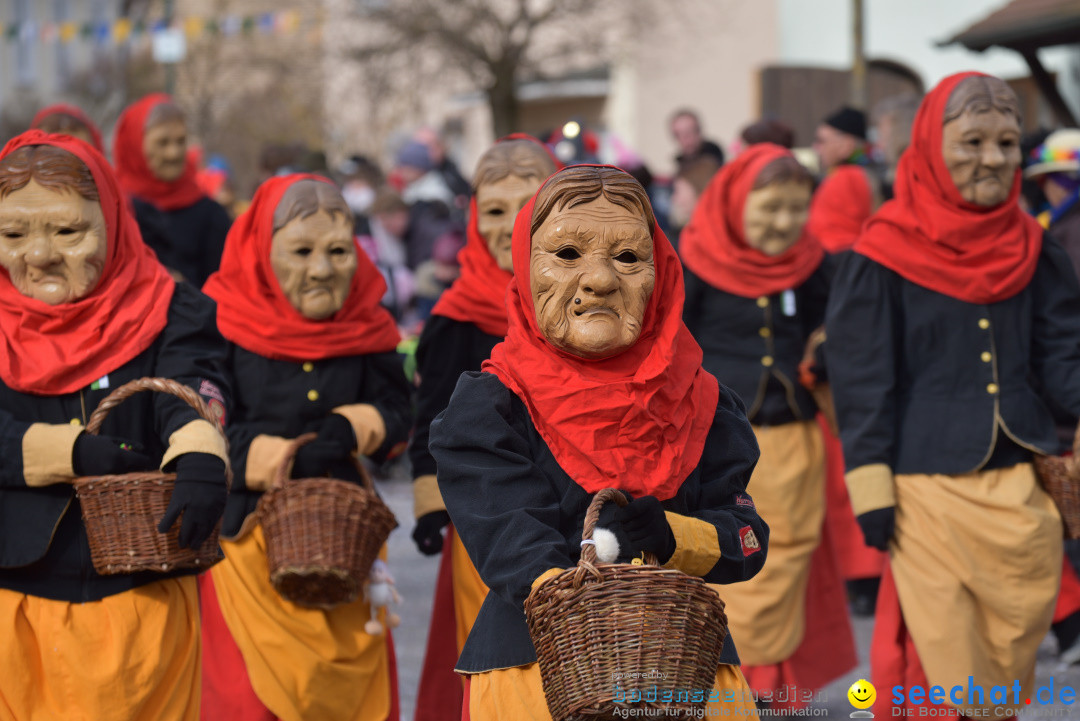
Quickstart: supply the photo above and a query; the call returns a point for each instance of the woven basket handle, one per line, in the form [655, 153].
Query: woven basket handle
[281, 476]
[1072, 463]
[588, 550]
[161, 385]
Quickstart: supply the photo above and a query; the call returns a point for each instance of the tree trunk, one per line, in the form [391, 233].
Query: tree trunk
[503, 101]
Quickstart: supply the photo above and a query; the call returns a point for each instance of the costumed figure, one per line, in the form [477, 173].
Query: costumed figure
[756, 290]
[952, 303]
[184, 227]
[85, 307]
[598, 384]
[65, 119]
[311, 351]
[467, 322]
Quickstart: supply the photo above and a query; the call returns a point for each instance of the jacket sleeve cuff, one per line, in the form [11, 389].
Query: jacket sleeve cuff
[426, 496]
[265, 455]
[46, 453]
[551, 572]
[198, 436]
[870, 487]
[697, 545]
[367, 424]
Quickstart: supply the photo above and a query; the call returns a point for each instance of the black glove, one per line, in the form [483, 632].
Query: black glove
[102, 456]
[428, 532]
[646, 527]
[199, 495]
[320, 459]
[336, 429]
[878, 526]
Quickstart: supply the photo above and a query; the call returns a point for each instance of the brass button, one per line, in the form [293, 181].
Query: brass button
[765, 332]
[984, 323]
[313, 395]
[767, 361]
[992, 388]
[763, 302]
[76, 422]
[308, 367]
[986, 357]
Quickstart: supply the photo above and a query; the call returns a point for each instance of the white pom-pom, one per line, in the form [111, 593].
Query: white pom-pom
[607, 546]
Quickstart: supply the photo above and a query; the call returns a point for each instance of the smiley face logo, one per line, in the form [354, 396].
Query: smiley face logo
[862, 694]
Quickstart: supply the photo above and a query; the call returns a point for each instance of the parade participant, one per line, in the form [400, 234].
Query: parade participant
[598, 384]
[466, 323]
[951, 303]
[184, 227]
[1056, 167]
[755, 292]
[847, 195]
[84, 307]
[68, 120]
[311, 351]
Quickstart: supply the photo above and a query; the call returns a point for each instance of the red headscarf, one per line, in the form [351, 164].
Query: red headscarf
[57, 349]
[933, 237]
[713, 245]
[636, 421]
[840, 207]
[254, 313]
[75, 112]
[131, 167]
[478, 295]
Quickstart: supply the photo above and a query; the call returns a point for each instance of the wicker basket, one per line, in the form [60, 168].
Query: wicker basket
[122, 512]
[598, 625]
[1060, 476]
[322, 534]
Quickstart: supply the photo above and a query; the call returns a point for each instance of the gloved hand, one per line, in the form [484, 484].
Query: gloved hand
[336, 429]
[428, 532]
[199, 495]
[878, 527]
[101, 456]
[646, 527]
[321, 458]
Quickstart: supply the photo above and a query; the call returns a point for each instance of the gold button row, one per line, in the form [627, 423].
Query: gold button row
[308, 367]
[767, 361]
[984, 323]
[986, 357]
[992, 389]
[75, 422]
[313, 395]
[763, 302]
[765, 332]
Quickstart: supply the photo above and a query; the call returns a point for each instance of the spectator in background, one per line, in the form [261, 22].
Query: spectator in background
[445, 167]
[893, 118]
[847, 194]
[768, 130]
[184, 227]
[70, 120]
[384, 244]
[429, 200]
[361, 178]
[1055, 167]
[686, 189]
[686, 129]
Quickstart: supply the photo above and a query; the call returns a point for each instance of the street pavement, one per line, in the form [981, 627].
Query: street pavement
[415, 578]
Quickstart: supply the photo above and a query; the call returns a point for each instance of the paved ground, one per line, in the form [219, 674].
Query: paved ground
[415, 576]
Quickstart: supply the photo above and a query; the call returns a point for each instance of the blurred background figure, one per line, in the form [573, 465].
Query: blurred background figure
[1055, 167]
[360, 178]
[428, 197]
[70, 120]
[686, 189]
[574, 143]
[384, 243]
[766, 130]
[445, 167]
[215, 179]
[892, 119]
[686, 130]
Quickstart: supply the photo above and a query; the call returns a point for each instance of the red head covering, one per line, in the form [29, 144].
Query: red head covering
[840, 207]
[57, 349]
[713, 245]
[135, 175]
[636, 421]
[478, 295]
[933, 237]
[254, 313]
[75, 112]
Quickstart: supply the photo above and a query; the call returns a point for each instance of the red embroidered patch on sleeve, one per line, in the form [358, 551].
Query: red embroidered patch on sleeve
[749, 541]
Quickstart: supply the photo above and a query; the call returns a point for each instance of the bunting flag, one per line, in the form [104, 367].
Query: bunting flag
[125, 30]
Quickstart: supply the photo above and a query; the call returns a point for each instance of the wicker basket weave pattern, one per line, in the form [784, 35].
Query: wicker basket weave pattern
[322, 534]
[601, 629]
[1060, 476]
[121, 512]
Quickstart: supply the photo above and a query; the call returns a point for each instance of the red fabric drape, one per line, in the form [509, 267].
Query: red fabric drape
[75, 112]
[57, 349]
[713, 245]
[933, 237]
[254, 313]
[840, 206]
[635, 421]
[135, 175]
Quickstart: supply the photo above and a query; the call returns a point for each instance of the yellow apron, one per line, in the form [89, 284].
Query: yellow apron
[134, 655]
[304, 663]
[469, 590]
[767, 614]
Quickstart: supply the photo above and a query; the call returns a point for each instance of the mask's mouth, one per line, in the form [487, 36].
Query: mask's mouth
[587, 309]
